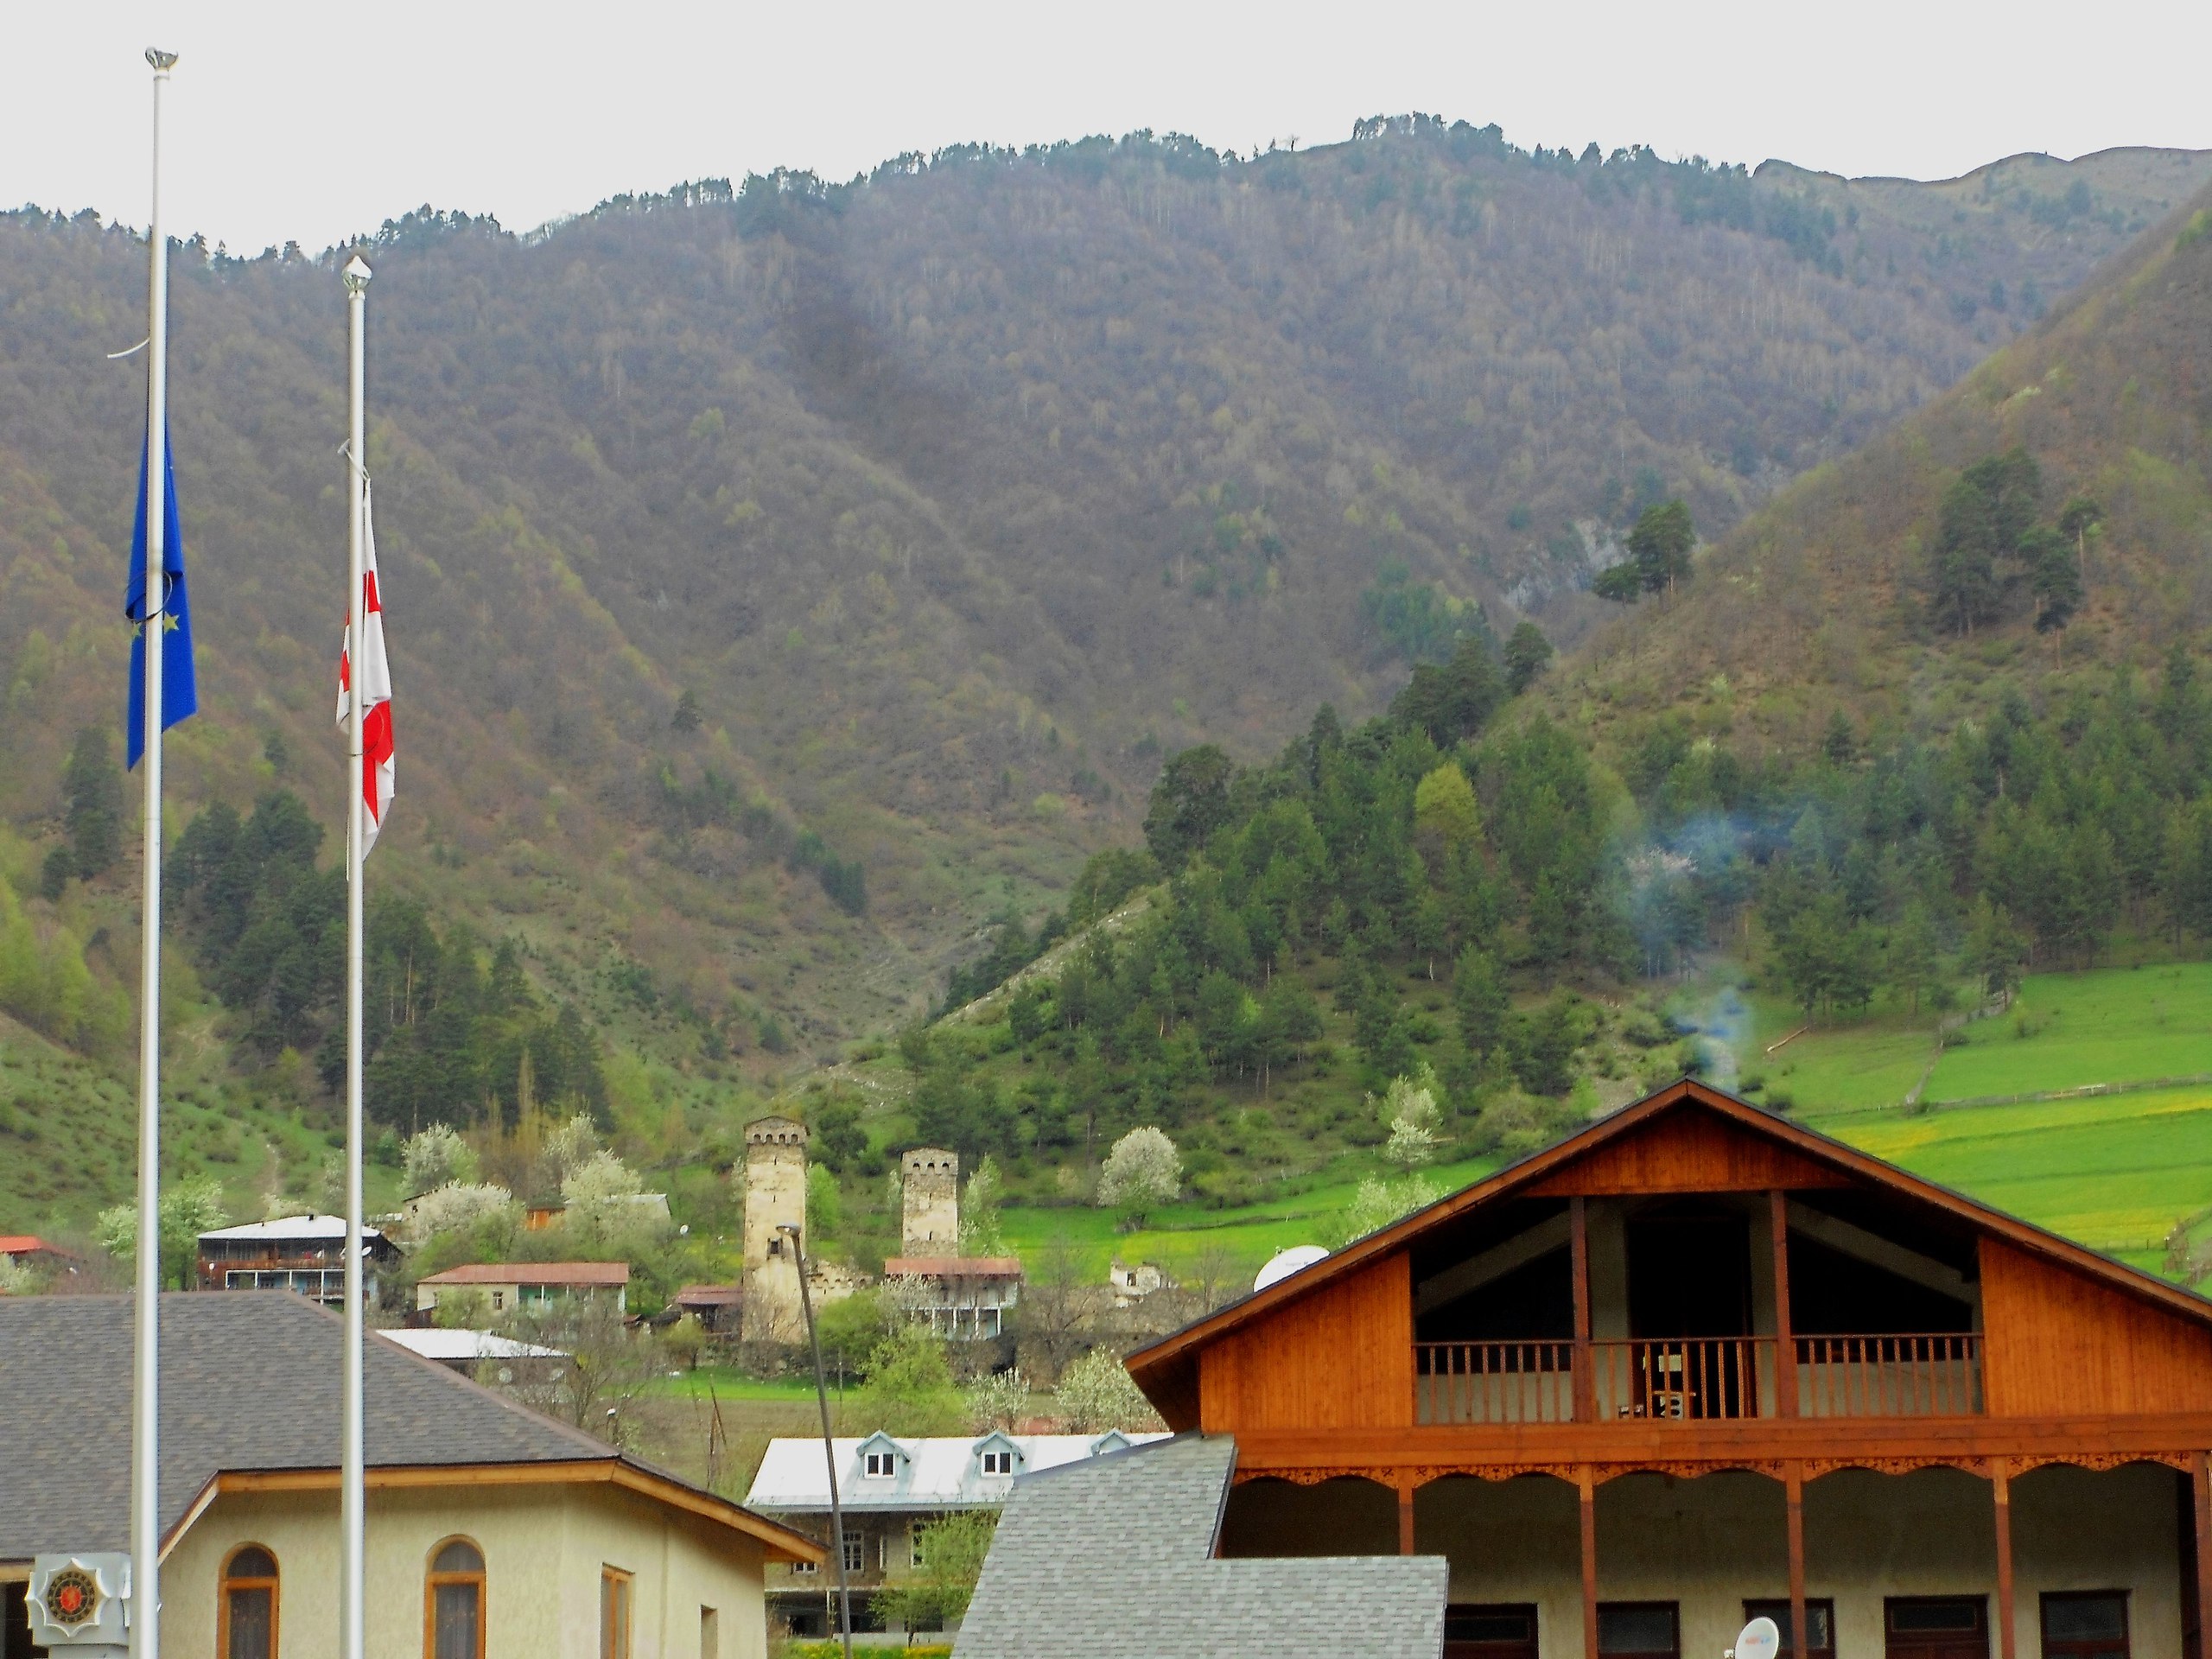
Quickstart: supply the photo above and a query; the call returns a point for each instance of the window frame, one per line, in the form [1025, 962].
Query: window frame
[855, 1551]
[888, 1472]
[1764, 1606]
[1672, 1609]
[999, 1456]
[618, 1604]
[229, 1581]
[2068, 1647]
[432, 1578]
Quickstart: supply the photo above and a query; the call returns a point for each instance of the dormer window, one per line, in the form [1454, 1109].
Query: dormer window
[879, 1464]
[998, 1463]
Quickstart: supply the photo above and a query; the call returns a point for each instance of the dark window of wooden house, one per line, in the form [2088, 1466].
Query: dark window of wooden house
[1935, 1627]
[2085, 1624]
[1484, 1630]
[1639, 1630]
[1820, 1615]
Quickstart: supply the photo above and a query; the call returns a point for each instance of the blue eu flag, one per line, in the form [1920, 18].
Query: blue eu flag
[179, 692]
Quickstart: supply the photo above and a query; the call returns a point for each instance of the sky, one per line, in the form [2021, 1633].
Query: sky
[308, 123]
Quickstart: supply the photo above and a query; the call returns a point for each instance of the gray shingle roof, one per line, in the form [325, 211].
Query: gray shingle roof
[1115, 1555]
[250, 1380]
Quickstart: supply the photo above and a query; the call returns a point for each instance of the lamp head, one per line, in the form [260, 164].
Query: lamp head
[356, 275]
[162, 62]
[791, 1227]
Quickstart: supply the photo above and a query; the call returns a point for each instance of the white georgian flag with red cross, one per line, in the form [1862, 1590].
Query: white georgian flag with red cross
[376, 688]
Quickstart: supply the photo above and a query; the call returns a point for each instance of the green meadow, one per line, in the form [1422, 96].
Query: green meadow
[1186, 1238]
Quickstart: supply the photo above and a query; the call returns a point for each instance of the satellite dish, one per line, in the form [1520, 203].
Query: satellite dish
[1299, 1257]
[1761, 1639]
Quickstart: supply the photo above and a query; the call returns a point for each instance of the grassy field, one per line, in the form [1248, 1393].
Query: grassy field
[2115, 1172]
[1181, 1233]
[2063, 1031]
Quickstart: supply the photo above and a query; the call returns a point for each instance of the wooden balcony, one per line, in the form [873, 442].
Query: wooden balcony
[1692, 1379]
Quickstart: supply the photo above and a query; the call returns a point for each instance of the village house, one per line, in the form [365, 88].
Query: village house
[302, 1254]
[492, 1531]
[963, 1298]
[472, 1353]
[508, 1286]
[888, 1488]
[30, 1251]
[1695, 1364]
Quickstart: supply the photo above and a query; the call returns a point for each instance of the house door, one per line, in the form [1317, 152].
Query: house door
[1935, 1627]
[1480, 1630]
[1690, 1304]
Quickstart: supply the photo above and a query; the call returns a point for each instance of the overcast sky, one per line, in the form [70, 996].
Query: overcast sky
[308, 121]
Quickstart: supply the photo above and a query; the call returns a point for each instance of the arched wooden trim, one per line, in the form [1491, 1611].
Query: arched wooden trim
[230, 1580]
[432, 1578]
[2103, 1462]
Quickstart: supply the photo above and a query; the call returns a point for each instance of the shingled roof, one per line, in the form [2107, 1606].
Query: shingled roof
[249, 1381]
[1115, 1555]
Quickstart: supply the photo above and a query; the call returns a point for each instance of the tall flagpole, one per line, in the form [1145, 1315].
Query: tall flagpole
[145, 1413]
[354, 1501]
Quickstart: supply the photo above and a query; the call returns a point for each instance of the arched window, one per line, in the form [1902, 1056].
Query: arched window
[245, 1616]
[453, 1602]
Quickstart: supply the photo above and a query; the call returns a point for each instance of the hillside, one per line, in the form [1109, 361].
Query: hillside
[1863, 588]
[785, 581]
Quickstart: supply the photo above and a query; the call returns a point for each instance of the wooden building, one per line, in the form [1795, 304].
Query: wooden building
[1698, 1363]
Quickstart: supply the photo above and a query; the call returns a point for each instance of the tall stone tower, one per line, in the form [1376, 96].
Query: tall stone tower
[775, 1193]
[928, 1180]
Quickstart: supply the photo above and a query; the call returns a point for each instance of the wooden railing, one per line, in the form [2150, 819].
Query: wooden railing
[1685, 1378]
[1494, 1381]
[1935, 1375]
[1696, 1379]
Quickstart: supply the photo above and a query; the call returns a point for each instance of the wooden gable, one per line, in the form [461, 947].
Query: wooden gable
[2059, 1343]
[1687, 1149]
[2065, 1331]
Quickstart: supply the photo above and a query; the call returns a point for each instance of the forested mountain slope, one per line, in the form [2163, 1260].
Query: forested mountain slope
[780, 580]
[2044, 522]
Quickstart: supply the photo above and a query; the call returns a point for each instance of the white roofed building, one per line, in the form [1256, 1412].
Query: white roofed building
[305, 1254]
[888, 1488]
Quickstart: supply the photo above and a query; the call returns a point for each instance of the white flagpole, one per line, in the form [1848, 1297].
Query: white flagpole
[145, 1409]
[354, 1501]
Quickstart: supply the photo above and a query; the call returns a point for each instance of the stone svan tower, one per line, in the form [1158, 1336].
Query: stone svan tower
[775, 1193]
[929, 1182]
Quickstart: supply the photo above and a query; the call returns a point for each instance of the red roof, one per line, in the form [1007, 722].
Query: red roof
[952, 1267]
[28, 1244]
[533, 1273]
[710, 1295]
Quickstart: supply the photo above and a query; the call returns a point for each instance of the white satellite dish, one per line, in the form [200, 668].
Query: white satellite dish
[1762, 1639]
[1283, 1263]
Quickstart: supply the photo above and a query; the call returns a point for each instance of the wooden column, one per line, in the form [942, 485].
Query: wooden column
[2001, 1482]
[1792, 1487]
[1586, 1383]
[1785, 1332]
[1405, 1518]
[2203, 1482]
[1588, 1484]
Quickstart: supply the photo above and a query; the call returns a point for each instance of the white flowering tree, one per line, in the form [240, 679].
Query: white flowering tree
[1410, 1114]
[1097, 1393]
[1143, 1172]
[457, 1207]
[436, 1157]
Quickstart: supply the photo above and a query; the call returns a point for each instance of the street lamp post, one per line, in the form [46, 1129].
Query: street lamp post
[829, 1446]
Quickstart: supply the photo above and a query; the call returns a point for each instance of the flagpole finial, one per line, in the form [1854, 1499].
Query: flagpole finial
[356, 274]
[162, 62]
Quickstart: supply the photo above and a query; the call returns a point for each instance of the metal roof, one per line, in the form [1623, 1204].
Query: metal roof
[952, 1267]
[249, 1381]
[291, 1227]
[445, 1346]
[1115, 1555]
[930, 1472]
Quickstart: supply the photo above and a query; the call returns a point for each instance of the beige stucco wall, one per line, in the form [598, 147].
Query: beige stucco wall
[544, 1548]
[1710, 1544]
